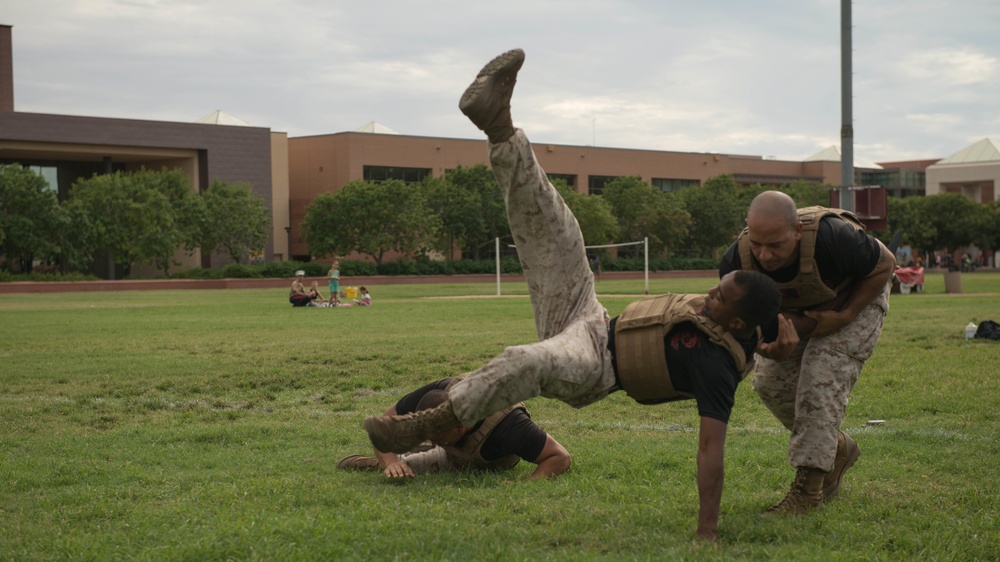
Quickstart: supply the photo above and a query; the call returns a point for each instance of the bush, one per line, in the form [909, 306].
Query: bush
[6, 277]
[240, 271]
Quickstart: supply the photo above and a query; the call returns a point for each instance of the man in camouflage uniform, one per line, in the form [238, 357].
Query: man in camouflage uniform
[573, 361]
[835, 282]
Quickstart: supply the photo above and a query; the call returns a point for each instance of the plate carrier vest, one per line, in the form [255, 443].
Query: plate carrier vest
[640, 346]
[807, 288]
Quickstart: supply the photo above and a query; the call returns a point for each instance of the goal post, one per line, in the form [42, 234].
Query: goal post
[645, 258]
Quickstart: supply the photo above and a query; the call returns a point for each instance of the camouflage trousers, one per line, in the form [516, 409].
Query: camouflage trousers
[571, 361]
[429, 461]
[808, 392]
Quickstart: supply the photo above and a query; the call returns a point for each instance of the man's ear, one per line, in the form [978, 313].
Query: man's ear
[737, 324]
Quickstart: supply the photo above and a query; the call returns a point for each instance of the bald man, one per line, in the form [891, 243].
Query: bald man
[834, 280]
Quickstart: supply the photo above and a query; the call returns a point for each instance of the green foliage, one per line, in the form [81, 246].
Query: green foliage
[644, 212]
[138, 217]
[31, 219]
[370, 218]
[479, 216]
[717, 215]
[236, 221]
[941, 221]
[597, 223]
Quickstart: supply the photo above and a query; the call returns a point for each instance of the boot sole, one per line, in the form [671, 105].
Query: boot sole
[831, 490]
[473, 95]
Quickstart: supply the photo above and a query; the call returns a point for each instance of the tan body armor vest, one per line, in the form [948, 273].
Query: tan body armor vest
[640, 346]
[466, 452]
[806, 289]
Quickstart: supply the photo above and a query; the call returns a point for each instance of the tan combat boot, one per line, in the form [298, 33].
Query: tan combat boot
[359, 462]
[806, 493]
[486, 102]
[847, 453]
[399, 434]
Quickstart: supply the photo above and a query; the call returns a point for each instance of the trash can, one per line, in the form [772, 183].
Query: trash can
[953, 282]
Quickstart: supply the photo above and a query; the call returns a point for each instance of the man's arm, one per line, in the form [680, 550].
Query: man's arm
[863, 293]
[711, 445]
[552, 461]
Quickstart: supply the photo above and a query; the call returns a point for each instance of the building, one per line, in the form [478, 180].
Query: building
[325, 163]
[65, 148]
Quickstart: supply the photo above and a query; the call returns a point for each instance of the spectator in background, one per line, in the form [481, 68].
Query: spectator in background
[298, 295]
[366, 299]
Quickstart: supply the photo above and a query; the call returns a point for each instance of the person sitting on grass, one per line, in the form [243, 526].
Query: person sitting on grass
[497, 443]
[365, 300]
[298, 295]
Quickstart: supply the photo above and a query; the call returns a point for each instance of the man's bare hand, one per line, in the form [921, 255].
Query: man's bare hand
[781, 348]
[399, 469]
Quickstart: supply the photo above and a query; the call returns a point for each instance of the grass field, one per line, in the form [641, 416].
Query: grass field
[205, 425]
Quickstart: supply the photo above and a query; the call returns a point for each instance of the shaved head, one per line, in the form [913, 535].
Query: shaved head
[773, 207]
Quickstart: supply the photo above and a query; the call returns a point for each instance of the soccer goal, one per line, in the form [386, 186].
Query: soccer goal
[645, 256]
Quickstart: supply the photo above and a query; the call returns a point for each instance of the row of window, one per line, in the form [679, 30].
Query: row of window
[595, 184]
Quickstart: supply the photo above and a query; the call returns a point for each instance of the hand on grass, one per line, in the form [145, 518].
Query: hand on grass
[399, 469]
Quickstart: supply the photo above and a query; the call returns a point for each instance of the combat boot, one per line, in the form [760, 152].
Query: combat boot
[399, 434]
[486, 102]
[847, 453]
[806, 493]
[359, 462]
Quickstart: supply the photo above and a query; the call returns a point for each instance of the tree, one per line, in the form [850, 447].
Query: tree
[944, 220]
[458, 210]
[644, 212]
[597, 223]
[370, 218]
[30, 216]
[131, 220]
[717, 215]
[235, 220]
[487, 218]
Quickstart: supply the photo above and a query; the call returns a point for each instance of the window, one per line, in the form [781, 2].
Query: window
[570, 179]
[595, 184]
[668, 185]
[379, 174]
[50, 174]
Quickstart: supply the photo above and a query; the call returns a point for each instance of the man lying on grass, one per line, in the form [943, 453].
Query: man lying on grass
[662, 349]
[498, 442]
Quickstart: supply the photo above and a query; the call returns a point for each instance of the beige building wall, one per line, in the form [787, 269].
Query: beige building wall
[977, 181]
[279, 195]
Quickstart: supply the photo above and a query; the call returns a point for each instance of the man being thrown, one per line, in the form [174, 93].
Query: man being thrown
[497, 443]
[705, 343]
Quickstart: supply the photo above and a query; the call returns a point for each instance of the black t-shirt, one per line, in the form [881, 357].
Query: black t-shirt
[842, 252]
[516, 434]
[700, 367]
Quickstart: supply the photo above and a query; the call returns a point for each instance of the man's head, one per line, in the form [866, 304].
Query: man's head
[434, 399]
[773, 230]
[743, 300]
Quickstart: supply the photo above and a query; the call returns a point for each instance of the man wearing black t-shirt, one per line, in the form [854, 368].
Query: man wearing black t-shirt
[496, 443]
[665, 348]
[835, 281]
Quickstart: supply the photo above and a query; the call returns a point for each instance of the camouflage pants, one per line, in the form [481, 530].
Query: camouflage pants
[808, 392]
[429, 461]
[571, 362]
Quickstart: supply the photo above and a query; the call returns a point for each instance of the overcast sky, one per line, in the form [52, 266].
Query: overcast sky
[730, 76]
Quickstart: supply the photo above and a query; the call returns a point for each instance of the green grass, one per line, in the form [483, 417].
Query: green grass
[205, 425]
